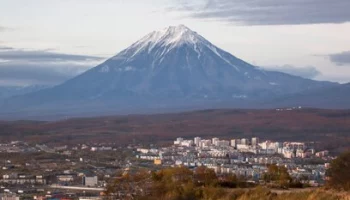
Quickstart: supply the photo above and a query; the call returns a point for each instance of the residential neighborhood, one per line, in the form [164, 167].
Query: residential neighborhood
[244, 157]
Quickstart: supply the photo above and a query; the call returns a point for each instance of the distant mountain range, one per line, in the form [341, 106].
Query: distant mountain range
[10, 91]
[337, 96]
[174, 68]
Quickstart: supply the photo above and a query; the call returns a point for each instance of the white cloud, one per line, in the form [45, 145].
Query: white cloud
[305, 72]
[27, 67]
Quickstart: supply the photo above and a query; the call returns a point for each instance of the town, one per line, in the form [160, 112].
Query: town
[82, 171]
[39, 171]
[244, 157]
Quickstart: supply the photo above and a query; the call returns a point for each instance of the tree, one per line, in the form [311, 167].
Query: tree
[173, 183]
[229, 181]
[339, 172]
[205, 176]
[277, 174]
[129, 185]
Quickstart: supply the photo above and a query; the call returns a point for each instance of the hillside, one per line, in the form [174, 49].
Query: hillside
[335, 97]
[329, 126]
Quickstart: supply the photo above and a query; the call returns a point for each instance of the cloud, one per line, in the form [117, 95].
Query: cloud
[2, 48]
[9, 53]
[267, 12]
[43, 67]
[342, 58]
[3, 28]
[38, 74]
[308, 72]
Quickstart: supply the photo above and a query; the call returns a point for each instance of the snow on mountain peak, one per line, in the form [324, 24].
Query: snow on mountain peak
[170, 37]
[159, 43]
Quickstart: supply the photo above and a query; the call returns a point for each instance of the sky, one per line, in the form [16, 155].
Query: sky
[45, 42]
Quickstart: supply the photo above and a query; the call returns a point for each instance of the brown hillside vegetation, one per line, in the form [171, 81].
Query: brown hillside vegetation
[266, 194]
[332, 126]
[180, 183]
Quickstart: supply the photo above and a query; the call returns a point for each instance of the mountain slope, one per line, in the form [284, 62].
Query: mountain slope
[173, 67]
[177, 62]
[9, 91]
[330, 97]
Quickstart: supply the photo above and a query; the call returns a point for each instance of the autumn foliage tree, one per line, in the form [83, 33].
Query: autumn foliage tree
[278, 175]
[339, 172]
[205, 176]
[129, 185]
[173, 183]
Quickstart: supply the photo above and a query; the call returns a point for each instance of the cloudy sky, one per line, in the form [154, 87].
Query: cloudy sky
[49, 41]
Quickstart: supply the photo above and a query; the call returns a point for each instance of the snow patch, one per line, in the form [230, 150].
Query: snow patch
[104, 69]
[129, 68]
[257, 78]
[214, 49]
[242, 96]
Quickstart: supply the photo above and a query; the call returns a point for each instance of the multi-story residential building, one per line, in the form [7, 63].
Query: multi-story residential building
[233, 143]
[255, 141]
[244, 141]
[197, 141]
[214, 141]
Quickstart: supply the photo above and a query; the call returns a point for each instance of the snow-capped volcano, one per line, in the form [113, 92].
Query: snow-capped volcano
[170, 37]
[177, 61]
[159, 43]
[173, 66]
